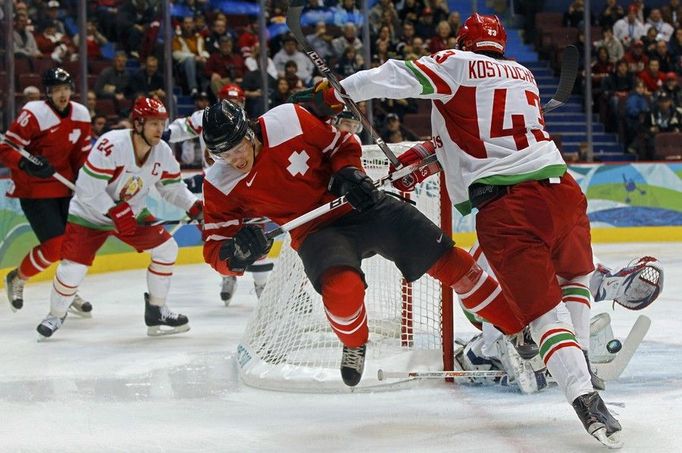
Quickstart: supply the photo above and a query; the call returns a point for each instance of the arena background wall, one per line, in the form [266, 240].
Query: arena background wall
[627, 203]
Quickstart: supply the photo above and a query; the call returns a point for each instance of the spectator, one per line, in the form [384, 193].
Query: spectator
[349, 63]
[346, 12]
[218, 30]
[253, 91]
[384, 37]
[281, 93]
[672, 12]
[189, 52]
[613, 46]
[455, 21]
[615, 87]
[191, 152]
[99, 127]
[132, 20]
[601, 69]
[252, 62]
[440, 11]
[114, 81]
[91, 103]
[290, 70]
[664, 117]
[248, 38]
[610, 14]
[425, 24]
[675, 49]
[575, 14]
[663, 29]
[652, 77]
[378, 15]
[636, 58]
[148, 80]
[289, 52]
[348, 39]
[406, 38]
[31, 93]
[24, 42]
[94, 40]
[391, 125]
[672, 88]
[629, 28]
[382, 55]
[57, 45]
[410, 11]
[225, 66]
[321, 41]
[641, 10]
[440, 40]
[51, 15]
[636, 107]
[663, 56]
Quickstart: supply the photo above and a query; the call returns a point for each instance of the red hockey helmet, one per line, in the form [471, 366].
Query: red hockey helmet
[232, 92]
[148, 108]
[482, 33]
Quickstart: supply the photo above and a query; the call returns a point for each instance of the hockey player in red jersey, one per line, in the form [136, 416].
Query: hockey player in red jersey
[488, 132]
[57, 132]
[110, 199]
[290, 162]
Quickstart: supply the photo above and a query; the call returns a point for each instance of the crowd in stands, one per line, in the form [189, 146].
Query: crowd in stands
[635, 70]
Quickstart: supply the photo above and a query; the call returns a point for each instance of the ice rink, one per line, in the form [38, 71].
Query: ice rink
[102, 385]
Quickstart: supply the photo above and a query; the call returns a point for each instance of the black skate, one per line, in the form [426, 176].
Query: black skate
[227, 289]
[597, 382]
[162, 321]
[15, 290]
[50, 325]
[597, 420]
[352, 365]
[80, 307]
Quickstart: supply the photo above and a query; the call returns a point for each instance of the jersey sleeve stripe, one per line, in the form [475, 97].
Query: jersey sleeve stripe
[427, 88]
[217, 237]
[215, 226]
[86, 148]
[441, 86]
[165, 182]
[196, 130]
[333, 142]
[168, 175]
[95, 172]
[16, 138]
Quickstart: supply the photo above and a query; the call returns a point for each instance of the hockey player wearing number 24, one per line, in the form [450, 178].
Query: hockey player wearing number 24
[57, 132]
[111, 191]
[289, 163]
[532, 224]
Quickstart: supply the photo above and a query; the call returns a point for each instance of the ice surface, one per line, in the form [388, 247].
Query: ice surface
[102, 385]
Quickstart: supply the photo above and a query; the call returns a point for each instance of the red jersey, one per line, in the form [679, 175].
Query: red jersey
[65, 142]
[289, 178]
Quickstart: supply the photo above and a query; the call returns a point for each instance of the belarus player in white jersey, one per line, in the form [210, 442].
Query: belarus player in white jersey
[190, 128]
[57, 132]
[111, 192]
[488, 131]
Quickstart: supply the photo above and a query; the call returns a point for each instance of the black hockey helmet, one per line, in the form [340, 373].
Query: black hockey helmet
[224, 126]
[56, 76]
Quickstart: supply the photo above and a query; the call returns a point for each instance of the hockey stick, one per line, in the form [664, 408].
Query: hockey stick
[294, 24]
[35, 161]
[613, 369]
[569, 71]
[383, 375]
[338, 202]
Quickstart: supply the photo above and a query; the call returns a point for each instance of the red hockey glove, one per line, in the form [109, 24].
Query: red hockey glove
[413, 155]
[196, 212]
[124, 219]
[322, 99]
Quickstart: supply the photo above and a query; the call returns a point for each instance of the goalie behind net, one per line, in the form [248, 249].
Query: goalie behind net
[288, 344]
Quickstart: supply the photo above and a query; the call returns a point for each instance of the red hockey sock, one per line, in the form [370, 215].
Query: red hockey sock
[40, 257]
[343, 294]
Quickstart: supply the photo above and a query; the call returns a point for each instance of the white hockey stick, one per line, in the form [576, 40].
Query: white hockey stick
[294, 24]
[35, 161]
[383, 375]
[612, 370]
[338, 202]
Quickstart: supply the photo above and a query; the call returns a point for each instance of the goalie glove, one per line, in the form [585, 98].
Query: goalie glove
[322, 99]
[416, 154]
[634, 287]
[246, 247]
[357, 187]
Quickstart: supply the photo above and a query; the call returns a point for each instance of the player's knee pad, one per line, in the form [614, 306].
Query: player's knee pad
[452, 267]
[52, 248]
[69, 276]
[343, 291]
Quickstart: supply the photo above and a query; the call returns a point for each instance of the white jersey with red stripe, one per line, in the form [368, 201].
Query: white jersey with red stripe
[111, 174]
[486, 117]
[189, 128]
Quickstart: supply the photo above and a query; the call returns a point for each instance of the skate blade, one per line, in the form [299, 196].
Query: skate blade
[158, 331]
[611, 442]
[79, 313]
[227, 302]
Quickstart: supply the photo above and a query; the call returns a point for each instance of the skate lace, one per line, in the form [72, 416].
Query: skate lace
[167, 314]
[353, 358]
[17, 288]
[228, 284]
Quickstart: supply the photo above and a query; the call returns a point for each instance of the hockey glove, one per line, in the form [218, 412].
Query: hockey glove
[413, 155]
[357, 187]
[39, 170]
[196, 212]
[246, 247]
[322, 99]
[123, 218]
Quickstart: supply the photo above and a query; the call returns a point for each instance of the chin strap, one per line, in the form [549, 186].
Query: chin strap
[141, 134]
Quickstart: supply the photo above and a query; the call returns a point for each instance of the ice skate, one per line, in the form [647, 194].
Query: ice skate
[80, 307]
[352, 365]
[227, 289]
[597, 420]
[161, 321]
[15, 290]
[49, 325]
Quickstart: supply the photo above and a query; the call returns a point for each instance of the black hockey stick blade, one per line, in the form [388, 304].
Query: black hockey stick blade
[294, 24]
[569, 71]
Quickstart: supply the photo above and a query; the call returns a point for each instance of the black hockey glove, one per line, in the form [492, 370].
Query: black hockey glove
[41, 170]
[357, 187]
[247, 246]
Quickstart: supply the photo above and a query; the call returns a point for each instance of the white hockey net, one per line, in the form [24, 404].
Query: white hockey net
[288, 344]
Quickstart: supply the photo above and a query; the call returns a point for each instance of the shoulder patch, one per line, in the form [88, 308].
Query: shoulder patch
[224, 177]
[281, 124]
[79, 112]
[43, 114]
